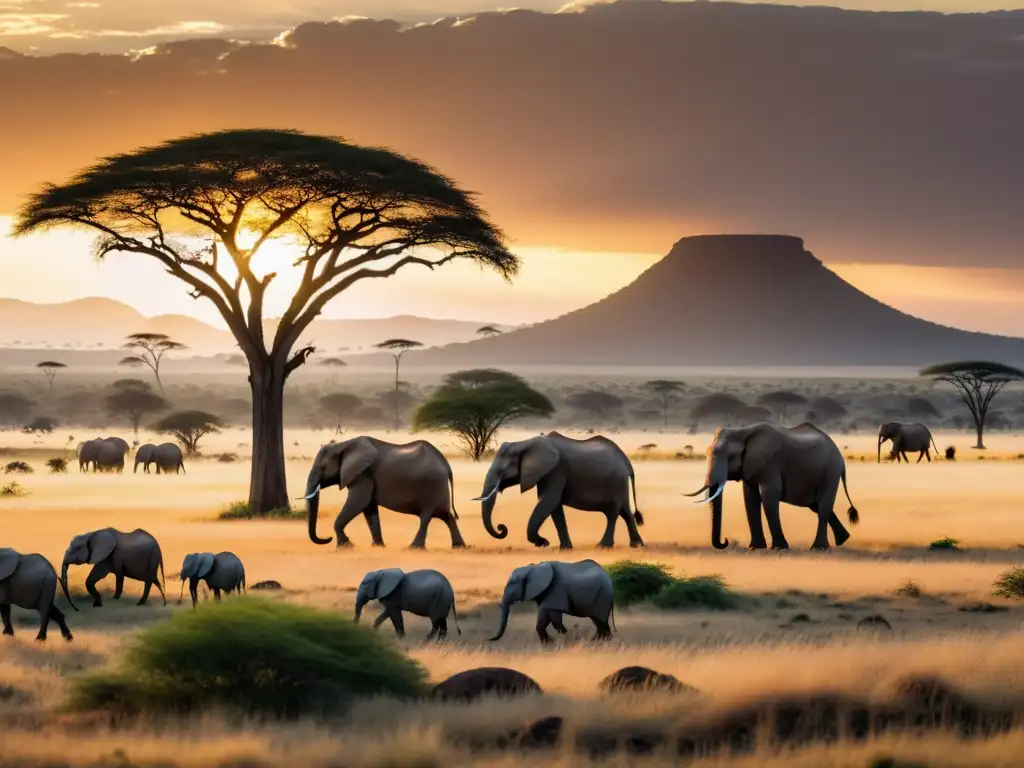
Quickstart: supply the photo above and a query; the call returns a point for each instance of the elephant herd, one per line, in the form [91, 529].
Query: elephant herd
[107, 454]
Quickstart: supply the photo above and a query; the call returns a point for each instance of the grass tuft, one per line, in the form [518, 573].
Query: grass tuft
[18, 468]
[1010, 584]
[57, 465]
[635, 581]
[12, 490]
[240, 510]
[910, 589]
[945, 543]
[697, 593]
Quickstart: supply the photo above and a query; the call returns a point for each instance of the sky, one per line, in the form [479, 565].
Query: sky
[895, 156]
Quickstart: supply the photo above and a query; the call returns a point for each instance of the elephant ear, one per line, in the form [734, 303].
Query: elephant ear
[205, 564]
[537, 460]
[761, 445]
[388, 580]
[538, 579]
[8, 562]
[356, 457]
[188, 567]
[101, 546]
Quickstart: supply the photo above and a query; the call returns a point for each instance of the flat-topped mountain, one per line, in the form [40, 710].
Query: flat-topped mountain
[732, 300]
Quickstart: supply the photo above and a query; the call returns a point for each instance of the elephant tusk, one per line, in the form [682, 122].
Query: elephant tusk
[488, 496]
[310, 495]
[697, 493]
[717, 493]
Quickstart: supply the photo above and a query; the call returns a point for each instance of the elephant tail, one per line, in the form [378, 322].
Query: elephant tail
[637, 514]
[244, 590]
[181, 465]
[451, 482]
[933, 442]
[455, 616]
[851, 513]
[163, 579]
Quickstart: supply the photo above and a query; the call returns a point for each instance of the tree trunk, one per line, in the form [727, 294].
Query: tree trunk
[268, 487]
[980, 429]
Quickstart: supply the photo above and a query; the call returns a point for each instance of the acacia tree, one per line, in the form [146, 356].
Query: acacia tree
[50, 368]
[205, 206]
[473, 405]
[717, 405]
[781, 401]
[151, 349]
[134, 402]
[397, 348]
[666, 390]
[340, 405]
[595, 402]
[189, 427]
[488, 330]
[977, 383]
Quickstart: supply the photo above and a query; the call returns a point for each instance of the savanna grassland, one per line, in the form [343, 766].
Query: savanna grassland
[793, 632]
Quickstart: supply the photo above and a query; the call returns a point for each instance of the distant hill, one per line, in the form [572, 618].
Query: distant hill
[96, 324]
[732, 300]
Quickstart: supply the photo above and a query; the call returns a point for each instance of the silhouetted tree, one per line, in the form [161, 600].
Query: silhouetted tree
[826, 409]
[189, 427]
[14, 409]
[720, 404]
[152, 348]
[473, 414]
[754, 414]
[41, 425]
[333, 362]
[781, 401]
[666, 390]
[921, 408]
[488, 330]
[481, 377]
[339, 405]
[397, 348]
[397, 401]
[134, 402]
[353, 213]
[50, 368]
[595, 402]
[977, 383]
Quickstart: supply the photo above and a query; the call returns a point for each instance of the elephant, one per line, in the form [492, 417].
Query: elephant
[29, 581]
[413, 479]
[582, 589]
[907, 437]
[145, 457]
[167, 457]
[798, 465]
[222, 572]
[86, 454]
[422, 593]
[104, 454]
[591, 475]
[135, 555]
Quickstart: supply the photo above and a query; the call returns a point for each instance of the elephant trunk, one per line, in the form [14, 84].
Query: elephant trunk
[487, 513]
[359, 608]
[505, 605]
[313, 505]
[64, 583]
[881, 439]
[716, 520]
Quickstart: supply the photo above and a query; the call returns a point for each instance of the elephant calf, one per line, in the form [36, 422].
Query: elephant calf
[29, 581]
[222, 572]
[135, 555]
[422, 593]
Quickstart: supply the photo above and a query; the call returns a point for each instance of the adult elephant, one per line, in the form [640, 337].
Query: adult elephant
[915, 438]
[591, 475]
[168, 458]
[86, 453]
[413, 478]
[134, 555]
[29, 581]
[145, 457]
[798, 465]
[109, 455]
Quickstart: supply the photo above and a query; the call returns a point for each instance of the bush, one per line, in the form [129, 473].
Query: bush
[945, 543]
[910, 589]
[12, 490]
[227, 458]
[635, 582]
[254, 656]
[18, 468]
[699, 592]
[57, 465]
[239, 510]
[1010, 584]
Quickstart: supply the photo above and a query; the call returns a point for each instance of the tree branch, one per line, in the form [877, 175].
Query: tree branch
[298, 359]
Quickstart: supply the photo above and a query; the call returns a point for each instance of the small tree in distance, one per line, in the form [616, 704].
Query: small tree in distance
[14, 409]
[152, 348]
[50, 368]
[134, 402]
[339, 405]
[977, 383]
[189, 427]
[488, 330]
[780, 402]
[474, 411]
[595, 402]
[666, 390]
[719, 405]
[397, 348]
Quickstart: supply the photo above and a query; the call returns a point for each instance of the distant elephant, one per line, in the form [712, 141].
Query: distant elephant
[135, 555]
[582, 589]
[422, 593]
[168, 457]
[798, 465]
[413, 479]
[86, 453]
[591, 475]
[29, 581]
[222, 572]
[145, 457]
[915, 438]
[120, 443]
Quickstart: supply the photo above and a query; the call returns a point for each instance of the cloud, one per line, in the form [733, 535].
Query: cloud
[877, 137]
[28, 24]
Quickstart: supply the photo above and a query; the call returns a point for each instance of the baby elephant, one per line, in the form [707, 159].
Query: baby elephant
[423, 593]
[29, 581]
[222, 572]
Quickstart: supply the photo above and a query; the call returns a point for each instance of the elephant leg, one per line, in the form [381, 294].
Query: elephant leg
[629, 518]
[557, 623]
[543, 619]
[549, 492]
[770, 497]
[420, 540]
[453, 529]
[360, 494]
[380, 619]
[44, 616]
[608, 539]
[372, 515]
[5, 614]
[752, 503]
[839, 531]
[118, 585]
[604, 632]
[147, 585]
[397, 621]
[442, 629]
[58, 615]
[919, 457]
[824, 510]
[99, 572]
[928, 455]
[193, 590]
[561, 528]
[216, 594]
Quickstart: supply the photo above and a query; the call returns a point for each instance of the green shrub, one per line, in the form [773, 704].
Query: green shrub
[699, 592]
[57, 465]
[1010, 584]
[239, 510]
[635, 582]
[253, 656]
[18, 468]
[945, 543]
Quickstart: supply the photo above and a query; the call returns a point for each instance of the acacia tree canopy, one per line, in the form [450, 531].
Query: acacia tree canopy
[204, 206]
[977, 382]
[189, 427]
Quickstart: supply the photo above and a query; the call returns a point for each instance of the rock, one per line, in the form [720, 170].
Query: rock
[874, 622]
[474, 683]
[543, 734]
[270, 584]
[983, 608]
[642, 678]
